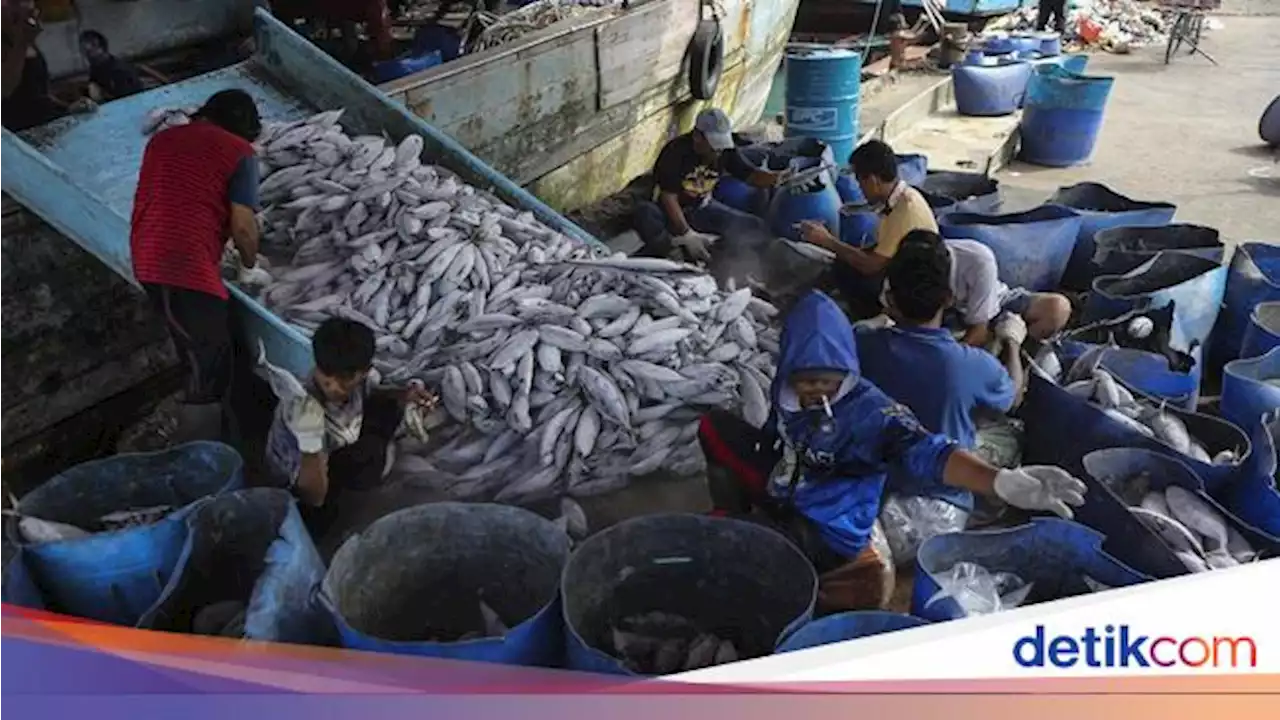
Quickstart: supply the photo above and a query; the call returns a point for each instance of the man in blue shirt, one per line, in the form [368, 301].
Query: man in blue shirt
[919, 364]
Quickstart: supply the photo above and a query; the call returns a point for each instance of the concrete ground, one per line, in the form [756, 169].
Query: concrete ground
[1187, 132]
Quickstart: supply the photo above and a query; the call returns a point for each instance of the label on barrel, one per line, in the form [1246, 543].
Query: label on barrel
[812, 119]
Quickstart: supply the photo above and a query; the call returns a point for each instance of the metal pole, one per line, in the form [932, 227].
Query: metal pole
[871, 36]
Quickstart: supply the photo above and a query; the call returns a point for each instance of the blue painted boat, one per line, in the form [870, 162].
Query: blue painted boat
[968, 8]
[78, 173]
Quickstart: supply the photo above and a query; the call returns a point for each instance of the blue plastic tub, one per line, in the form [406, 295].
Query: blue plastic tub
[249, 546]
[1143, 372]
[1100, 208]
[739, 580]
[118, 576]
[388, 70]
[1254, 278]
[1118, 250]
[739, 194]
[1109, 470]
[1246, 393]
[969, 192]
[1193, 285]
[848, 189]
[1053, 554]
[1253, 497]
[1060, 429]
[1050, 45]
[983, 91]
[858, 225]
[1062, 115]
[1264, 330]
[1031, 248]
[848, 626]
[791, 205]
[422, 572]
[823, 84]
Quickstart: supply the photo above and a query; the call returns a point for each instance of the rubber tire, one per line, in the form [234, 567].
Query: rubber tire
[706, 59]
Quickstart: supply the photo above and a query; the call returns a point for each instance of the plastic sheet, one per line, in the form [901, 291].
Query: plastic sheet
[1264, 330]
[1053, 555]
[970, 192]
[1101, 208]
[422, 572]
[1110, 471]
[739, 580]
[1193, 285]
[117, 576]
[1118, 250]
[1251, 388]
[999, 440]
[987, 91]
[1031, 248]
[910, 520]
[979, 592]
[848, 626]
[1253, 278]
[249, 546]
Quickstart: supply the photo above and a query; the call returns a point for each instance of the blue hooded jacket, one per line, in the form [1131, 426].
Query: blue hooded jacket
[844, 459]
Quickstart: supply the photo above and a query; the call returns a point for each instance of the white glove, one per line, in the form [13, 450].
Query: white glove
[254, 277]
[878, 322]
[1040, 487]
[695, 244]
[1012, 328]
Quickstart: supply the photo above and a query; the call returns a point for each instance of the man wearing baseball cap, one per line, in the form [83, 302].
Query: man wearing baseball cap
[683, 219]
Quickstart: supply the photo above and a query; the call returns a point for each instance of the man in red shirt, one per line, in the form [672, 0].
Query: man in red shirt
[198, 184]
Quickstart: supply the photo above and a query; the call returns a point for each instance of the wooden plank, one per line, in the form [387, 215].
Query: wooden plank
[645, 48]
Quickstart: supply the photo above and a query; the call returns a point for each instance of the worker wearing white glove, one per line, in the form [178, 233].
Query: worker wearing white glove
[1012, 329]
[695, 245]
[1042, 488]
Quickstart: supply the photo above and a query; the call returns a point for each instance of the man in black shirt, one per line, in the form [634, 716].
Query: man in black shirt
[684, 218]
[27, 101]
[110, 77]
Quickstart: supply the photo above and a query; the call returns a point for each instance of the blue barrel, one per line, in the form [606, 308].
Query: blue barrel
[1269, 123]
[1062, 429]
[1050, 44]
[1031, 248]
[1193, 285]
[741, 581]
[912, 168]
[990, 91]
[738, 194]
[1253, 497]
[848, 189]
[970, 192]
[118, 576]
[1264, 330]
[1254, 278]
[1100, 208]
[1110, 473]
[822, 96]
[793, 203]
[858, 225]
[848, 626]
[1251, 388]
[1119, 250]
[248, 546]
[1061, 116]
[1001, 44]
[1143, 372]
[1054, 555]
[412, 584]
[388, 70]
[1026, 42]
[974, 57]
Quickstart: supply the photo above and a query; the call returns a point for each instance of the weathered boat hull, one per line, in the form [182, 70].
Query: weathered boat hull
[576, 111]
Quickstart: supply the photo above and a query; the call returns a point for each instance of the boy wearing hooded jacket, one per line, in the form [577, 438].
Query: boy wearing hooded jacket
[816, 471]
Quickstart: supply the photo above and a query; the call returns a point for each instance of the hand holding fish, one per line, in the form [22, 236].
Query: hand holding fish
[418, 394]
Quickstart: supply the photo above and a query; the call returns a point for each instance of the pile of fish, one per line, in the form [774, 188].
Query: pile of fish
[35, 530]
[224, 618]
[1104, 391]
[567, 371]
[1194, 530]
[659, 643]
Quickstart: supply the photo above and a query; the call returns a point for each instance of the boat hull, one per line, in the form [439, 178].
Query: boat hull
[577, 110]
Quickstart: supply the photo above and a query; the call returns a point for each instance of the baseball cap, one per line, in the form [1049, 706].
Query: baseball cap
[716, 128]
